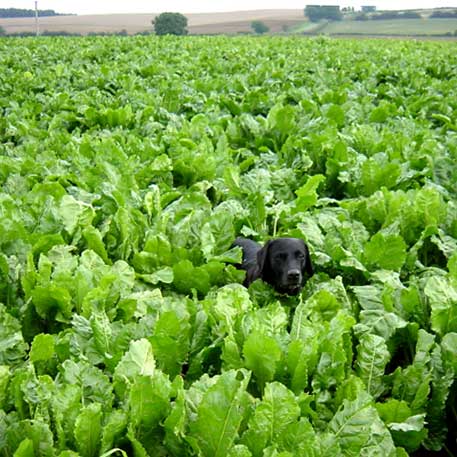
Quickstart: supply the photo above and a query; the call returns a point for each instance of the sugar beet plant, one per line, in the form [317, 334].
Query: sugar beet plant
[128, 166]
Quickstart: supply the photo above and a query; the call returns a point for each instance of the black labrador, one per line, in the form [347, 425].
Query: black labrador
[283, 262]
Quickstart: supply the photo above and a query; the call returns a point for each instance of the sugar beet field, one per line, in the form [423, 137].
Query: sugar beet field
[127, 168]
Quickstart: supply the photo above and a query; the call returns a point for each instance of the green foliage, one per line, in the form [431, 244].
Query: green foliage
[317, 13]
[170, 24]
[124, 178]
[259, 27]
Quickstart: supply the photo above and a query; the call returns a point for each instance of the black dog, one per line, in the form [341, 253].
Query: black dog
[284, 263]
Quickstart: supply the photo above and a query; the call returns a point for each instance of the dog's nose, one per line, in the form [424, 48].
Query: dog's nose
[293, 275]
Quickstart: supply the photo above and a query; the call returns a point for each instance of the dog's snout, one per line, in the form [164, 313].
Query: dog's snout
[293, 275]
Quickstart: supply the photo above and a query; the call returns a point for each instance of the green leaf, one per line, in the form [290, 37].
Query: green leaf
[307, 194]
[94, 384]
[138, 361]
[220, 413]
[262, 354]
[357, 428]
[379, 322]
[25, 449]
[164, 275]
[297, 362]
[12, 345]
[407, 430]
[273, 415]
[42, 347]
[413, 382]
[113, 429]
[88, 430]
[336, 114]
[94, 242]
[282, 119]
[75, 213]
[372, 358]
[449, 348]
[175, 423]
[442, 296]
[442, 380]
[187, 277]
[53, 302]
[386, 251]
[377, 172]
[28, 434]
[149, 400]
[171, 339]
[5, 376]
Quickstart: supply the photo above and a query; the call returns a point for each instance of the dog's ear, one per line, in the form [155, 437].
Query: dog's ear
[262, 264]
[308, 264]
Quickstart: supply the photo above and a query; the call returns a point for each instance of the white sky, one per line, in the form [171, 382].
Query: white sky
[202, 6]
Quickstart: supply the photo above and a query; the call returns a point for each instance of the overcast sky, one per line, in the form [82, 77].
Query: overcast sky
[200, 6]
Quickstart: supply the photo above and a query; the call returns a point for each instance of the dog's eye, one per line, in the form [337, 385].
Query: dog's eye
[300, 255]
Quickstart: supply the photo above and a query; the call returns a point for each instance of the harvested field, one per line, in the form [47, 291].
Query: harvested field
[201, 23]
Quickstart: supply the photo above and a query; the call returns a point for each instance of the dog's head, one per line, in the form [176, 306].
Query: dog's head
[285, 263]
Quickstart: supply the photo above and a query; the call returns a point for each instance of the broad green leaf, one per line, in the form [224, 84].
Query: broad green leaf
[442, 297]
[75, 213]
[12, 345]
[297, 362]
[187, 277]
[175, 423]
[307, 194]
[449, 348]
[5, 376]
[377, 172]
[261, 353]
[273, 415]
[386, 251]
[42, 347]
[171, 339]
[357, 428]
[94, 384]
[379, 323]
[220, 413]
[30, 436]
[407, 430]
[336, 114]
[138, 361]
[442, 381]
[372, 358]
[113, 429]
[281, 118]
[25, 449]
[88, 427]
[103, 333]
[94, 242]
[149, 400]
[53, 302]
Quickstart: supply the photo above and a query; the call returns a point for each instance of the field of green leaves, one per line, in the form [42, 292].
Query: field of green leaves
[128, 166]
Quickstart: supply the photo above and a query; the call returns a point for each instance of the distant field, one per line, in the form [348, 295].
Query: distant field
[204, 23]
[394, 27]
[232, 23]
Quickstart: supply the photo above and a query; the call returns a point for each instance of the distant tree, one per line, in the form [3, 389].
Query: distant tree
[170, 24]
[2, 31]
[259, 27]
[315, 13]
[18, 12]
